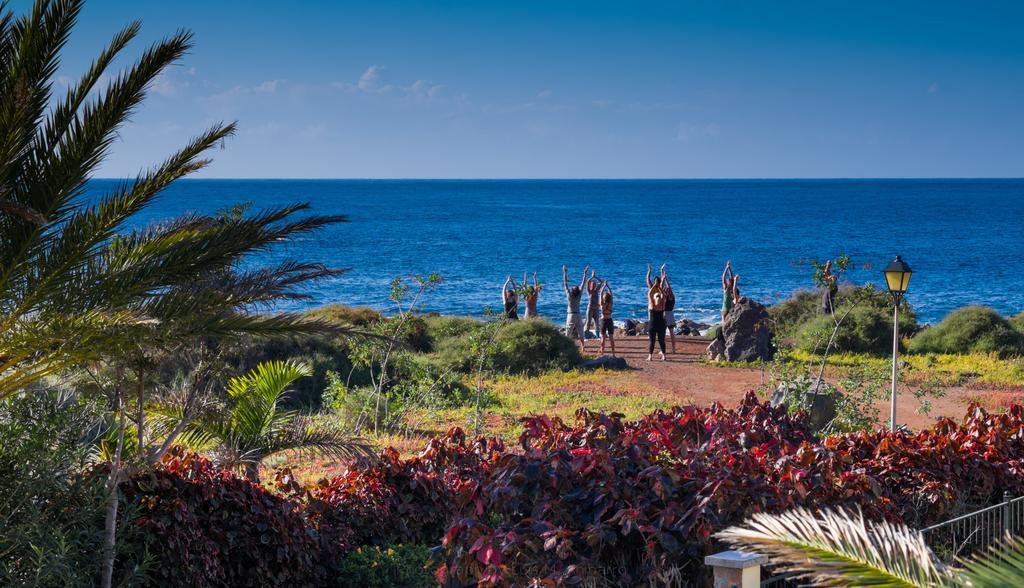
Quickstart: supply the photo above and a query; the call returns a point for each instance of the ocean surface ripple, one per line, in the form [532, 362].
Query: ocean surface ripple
[963, 238]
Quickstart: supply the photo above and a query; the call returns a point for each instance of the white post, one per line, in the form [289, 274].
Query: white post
[736, 569]
[895, 360]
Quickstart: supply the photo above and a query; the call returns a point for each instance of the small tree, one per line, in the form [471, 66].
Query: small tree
[375, 353]
[253, 426]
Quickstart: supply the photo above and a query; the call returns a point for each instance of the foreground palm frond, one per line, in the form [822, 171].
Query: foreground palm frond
[1002, 565]
[72, 267]
[836, 548]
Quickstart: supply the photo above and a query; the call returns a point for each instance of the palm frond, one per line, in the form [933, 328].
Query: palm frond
[1002, 565]
[836, 548]
[304, 437]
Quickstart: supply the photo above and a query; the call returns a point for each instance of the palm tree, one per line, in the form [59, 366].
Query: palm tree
[76, 285]
[253, 426]
[72, 282]
[837, 548]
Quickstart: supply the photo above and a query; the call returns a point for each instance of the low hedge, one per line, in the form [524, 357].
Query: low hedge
[518, 347]
[603, 501]
[968, 330]
[866, 329]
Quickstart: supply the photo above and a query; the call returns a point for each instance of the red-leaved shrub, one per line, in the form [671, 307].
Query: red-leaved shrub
[630, 503]
[208, 527]
[403, 500]
[602, 502]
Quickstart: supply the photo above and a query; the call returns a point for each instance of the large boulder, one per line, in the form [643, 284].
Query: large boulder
[744, 334]
[820, 406]
[607, 362]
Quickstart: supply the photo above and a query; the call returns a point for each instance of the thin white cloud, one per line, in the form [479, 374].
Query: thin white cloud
[310, 132]
[169, 82]
[933, 88]
[268, 87]
[544, 94]
[374, 81]
[689, 132]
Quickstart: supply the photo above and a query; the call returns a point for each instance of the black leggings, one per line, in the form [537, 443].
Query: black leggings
[656, 328]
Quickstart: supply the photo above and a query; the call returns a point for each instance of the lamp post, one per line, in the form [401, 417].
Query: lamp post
[897, 278]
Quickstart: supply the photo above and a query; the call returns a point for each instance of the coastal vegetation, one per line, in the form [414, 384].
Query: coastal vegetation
[163, 424]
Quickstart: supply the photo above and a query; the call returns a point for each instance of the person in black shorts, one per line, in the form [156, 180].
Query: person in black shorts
[670, 304]
[656, 315]
[510, 299]
[607, 324]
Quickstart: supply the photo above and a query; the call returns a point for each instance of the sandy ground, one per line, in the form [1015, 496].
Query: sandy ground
[682, 376]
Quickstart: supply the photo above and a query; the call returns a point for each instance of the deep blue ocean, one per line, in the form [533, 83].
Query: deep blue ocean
[963, 238]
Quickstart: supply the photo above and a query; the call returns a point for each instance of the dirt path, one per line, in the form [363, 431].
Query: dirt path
[683, 377]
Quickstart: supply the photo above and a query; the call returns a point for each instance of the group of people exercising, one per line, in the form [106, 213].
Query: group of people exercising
[661, 302]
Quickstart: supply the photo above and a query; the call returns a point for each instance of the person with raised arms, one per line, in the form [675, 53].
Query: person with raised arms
[510, 299]
[656, 314]
[607, 324]
[573, 294]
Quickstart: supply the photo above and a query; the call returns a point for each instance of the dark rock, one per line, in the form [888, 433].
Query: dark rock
[822, 406]
[607, 362]
[629, 326]
[690, 328]
[634, 327]
[716, 350]
[744, 335]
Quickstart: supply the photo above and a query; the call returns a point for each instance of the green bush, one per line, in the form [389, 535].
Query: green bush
[787, 316]
[398, 566]
[345, 316]
[51, 506]
[440, 328]
[1017, 322]
[518, 347]
[866, 329]
[533, 346]
[971, 329]
[322, 353]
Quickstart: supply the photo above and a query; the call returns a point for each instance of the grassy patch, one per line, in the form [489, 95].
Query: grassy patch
[981, 369]
[506, 399]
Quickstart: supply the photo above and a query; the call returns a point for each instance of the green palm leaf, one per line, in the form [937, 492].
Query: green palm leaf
[835, 548]
[1002, 565]
[253, 426]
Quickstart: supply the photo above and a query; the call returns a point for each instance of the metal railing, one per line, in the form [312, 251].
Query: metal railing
[976, 531]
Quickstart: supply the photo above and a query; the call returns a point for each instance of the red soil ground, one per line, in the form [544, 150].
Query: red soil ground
[682, 375]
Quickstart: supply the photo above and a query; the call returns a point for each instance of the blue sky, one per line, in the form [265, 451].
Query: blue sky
[581, 89]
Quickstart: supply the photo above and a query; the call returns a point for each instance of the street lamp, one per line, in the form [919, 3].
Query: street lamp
[897, 278]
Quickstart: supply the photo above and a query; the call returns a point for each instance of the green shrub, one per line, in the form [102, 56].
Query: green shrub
[518, 347]
[322, 353]
[345, 316]
[533, 346]
[440, 327]
[971, 329]
[398, 566]
[51, 506]
[787, 316]
[1017, 322]
[866, 329]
